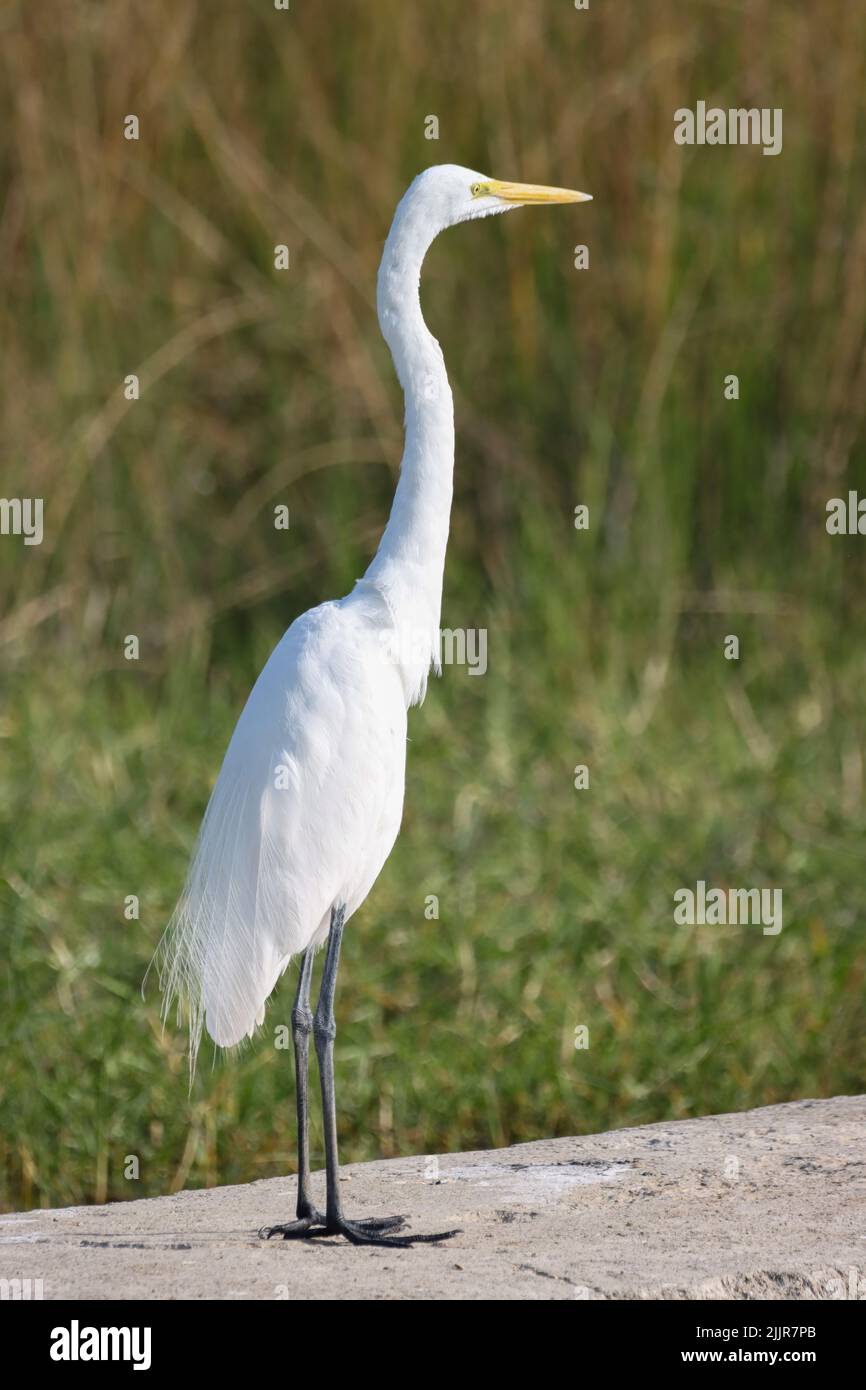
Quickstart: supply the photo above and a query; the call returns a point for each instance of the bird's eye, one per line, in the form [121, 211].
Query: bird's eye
[477, 190]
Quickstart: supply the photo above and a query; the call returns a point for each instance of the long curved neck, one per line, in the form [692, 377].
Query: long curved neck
[409, 564]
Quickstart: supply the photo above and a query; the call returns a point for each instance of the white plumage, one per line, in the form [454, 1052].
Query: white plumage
[304, 813]
[309, 798]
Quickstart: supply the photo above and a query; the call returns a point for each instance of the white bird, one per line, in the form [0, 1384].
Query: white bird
[309, 798]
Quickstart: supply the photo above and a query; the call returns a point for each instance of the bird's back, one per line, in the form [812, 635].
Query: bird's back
[303, 815]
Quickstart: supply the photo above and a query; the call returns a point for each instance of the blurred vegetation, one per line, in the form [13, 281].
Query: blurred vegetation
[603, 386]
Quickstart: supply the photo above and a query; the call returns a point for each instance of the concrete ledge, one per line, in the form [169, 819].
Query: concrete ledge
[764, 1204]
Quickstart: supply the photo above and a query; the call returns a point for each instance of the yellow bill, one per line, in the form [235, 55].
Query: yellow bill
[530, 193]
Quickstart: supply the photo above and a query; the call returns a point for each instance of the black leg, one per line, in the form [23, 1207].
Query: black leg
[325, 1030]
[310, 1222]
[302, 1027]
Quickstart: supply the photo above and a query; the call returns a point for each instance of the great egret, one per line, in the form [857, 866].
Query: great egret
[309, 798]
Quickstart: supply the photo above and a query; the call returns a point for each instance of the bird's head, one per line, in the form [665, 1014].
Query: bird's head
[446, 194]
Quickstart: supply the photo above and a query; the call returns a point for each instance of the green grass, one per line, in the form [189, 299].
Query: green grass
[605, 647]
[555, 910]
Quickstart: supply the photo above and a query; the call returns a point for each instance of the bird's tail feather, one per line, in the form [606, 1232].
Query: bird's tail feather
[232, 932]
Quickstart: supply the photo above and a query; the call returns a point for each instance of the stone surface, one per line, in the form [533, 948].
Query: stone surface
[764, 1204]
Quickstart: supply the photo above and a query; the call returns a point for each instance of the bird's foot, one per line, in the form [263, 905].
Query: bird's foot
[293, 1230]
[368, 1230]
[361, 1233]
[315, 1224]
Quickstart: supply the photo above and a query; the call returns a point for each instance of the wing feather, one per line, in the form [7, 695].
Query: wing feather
[291, 823]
